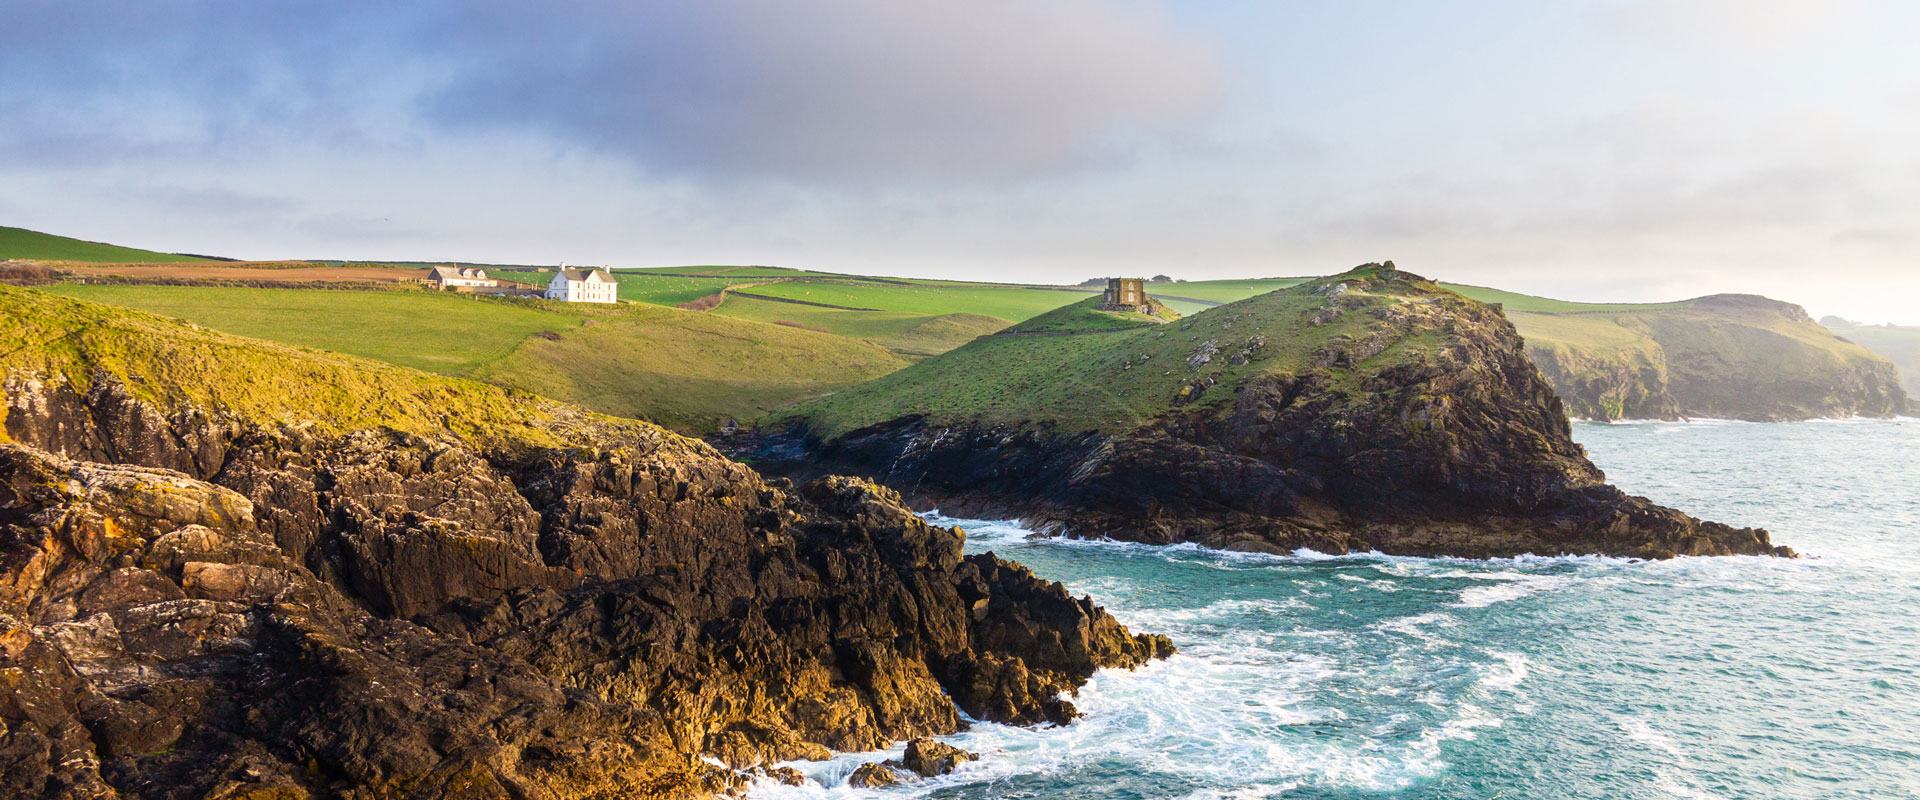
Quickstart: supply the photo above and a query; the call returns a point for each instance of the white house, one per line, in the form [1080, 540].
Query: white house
[576, 285]
[450, 277]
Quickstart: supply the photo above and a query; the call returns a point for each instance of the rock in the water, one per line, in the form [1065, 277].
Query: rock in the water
[787, 776]
[928, 758]
[872, 774]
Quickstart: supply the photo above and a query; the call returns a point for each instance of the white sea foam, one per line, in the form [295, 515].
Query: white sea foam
[1506, 674]
[1241, 720]
[1261, 701]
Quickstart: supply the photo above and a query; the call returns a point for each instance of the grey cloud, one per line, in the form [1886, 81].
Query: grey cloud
[875, 91]
[213, 74]
[836, 92]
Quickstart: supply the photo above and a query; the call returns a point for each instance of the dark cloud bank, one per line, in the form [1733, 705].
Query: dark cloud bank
[835, 91]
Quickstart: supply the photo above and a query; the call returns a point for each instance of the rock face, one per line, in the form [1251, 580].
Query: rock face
[1723, 356]
[1424, 430]
[193, 606]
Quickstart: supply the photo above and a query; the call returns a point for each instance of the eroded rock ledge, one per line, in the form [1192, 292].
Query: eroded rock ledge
[193, 607]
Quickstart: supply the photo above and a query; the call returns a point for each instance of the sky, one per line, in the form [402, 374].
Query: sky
[1602, 150]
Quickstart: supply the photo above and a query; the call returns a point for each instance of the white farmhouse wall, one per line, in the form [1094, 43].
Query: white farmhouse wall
[592, 289]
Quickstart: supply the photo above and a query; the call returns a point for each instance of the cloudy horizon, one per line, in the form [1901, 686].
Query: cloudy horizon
[1604, 150]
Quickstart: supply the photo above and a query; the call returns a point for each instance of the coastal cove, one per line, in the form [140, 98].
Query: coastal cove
[1310, 676]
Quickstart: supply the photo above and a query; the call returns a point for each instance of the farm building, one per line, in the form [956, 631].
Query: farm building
[583, 285]
[457, 278]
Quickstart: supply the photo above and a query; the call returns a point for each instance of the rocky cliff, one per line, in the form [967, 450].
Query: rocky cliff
[1723, 356]
[204, 594]
[1369, 410]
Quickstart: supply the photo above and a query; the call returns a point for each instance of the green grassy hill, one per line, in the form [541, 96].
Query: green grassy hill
[1899, 344]
[437, 332]
[174, 363]
[1087, 316]
[24, 244]
[906, 333]
[911, 317]
[1103, 380]
[821, 331]
[1717, 356]
[683, 369]
[1735, 356]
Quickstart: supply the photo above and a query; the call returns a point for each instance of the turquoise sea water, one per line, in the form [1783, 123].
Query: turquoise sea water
[1382, 677]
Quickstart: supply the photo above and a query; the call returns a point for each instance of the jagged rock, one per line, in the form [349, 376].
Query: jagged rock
[928, 758]
[871, 775]
[377, 615]
[1417, 427]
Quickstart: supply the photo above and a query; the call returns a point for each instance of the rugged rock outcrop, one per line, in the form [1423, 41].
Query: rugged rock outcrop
[195, 606]
[1370, 410]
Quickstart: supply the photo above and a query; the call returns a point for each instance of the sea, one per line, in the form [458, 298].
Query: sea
[1384, 677]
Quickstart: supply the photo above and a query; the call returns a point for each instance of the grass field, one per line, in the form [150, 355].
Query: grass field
[665, 290]
[731, 272]
[779, 335]
[1006, 302]
[433, 331]
[172, 363]
[1087, 315]
[684, 369]
[25, 244]
[1224, 291]
[904, 332]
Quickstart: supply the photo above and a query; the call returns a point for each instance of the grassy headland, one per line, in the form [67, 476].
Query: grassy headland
[1092, 378]
[1899, 344]
[684, 369]
[174, 363]
[24, 244]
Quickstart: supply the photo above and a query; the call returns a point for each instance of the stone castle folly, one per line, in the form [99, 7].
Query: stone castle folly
[1127, 294]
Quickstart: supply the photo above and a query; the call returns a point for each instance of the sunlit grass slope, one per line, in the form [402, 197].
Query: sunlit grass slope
[904, 332]
[174, 363]
[683, 369]
[21, 243]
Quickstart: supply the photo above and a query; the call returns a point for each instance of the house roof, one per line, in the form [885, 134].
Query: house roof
[447, 273]
[581, 273]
